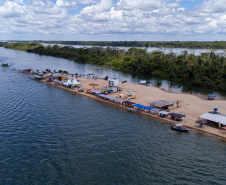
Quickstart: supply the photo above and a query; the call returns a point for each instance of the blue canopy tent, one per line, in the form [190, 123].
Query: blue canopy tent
[211, 96]
[140, 106]
[149, 108]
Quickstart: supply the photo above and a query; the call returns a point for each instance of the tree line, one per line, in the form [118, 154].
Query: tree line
[171, 44]
[208, 70]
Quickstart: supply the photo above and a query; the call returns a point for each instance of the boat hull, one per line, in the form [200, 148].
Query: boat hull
[180, 129]
[5, 64]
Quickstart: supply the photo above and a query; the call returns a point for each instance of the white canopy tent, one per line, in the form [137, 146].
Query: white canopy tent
[69, 82]
[75, 82]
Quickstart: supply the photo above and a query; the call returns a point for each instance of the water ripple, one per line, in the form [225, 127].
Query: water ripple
[49, 136]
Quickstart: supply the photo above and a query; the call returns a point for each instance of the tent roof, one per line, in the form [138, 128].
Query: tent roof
[131, 92]
[57, 75]
[140, 106]
[163, 112]
[75, 82]
[211, 95]
[129, 102]
[202, 122]
[106, 89]
[156, 110]
[143, 107]
[149, 108]
[95, 91]
[68, 82]
[111, 98]
[214, 117]
[176, 115]
[161, 103]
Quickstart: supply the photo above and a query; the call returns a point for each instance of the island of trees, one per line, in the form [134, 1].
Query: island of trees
[171, 44]
[208, 70]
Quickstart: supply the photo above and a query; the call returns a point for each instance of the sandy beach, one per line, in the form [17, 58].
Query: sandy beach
[192, 105]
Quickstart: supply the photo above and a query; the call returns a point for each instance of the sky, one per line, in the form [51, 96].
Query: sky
[113, 20]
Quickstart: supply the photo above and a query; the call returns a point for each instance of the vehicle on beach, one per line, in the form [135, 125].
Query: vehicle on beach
[179, 127]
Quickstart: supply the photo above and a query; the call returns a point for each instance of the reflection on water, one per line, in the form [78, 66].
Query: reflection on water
[150, 49]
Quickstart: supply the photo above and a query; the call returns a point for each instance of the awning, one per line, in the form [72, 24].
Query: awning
[156, 110]
[95, 91]
[202, 122]
[140, 106]
[128, 102]
[161, 103]
[163, 112]
[218, 118]
[176, 115]
[149, 108]
[110, 98]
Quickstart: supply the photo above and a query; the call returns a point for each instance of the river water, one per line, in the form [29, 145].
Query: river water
[178, 51]
[50, 136]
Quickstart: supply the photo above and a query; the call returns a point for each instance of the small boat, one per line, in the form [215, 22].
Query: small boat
[5, 64]
[179, 127]
[131, 110]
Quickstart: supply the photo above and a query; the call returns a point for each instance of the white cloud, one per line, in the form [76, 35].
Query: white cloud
[67, 4]
[173, 5]
[142, 4]
[214, 6]
[94, 10]
[43, 7]
[181, 9]
[108, 19]
[87, 2]
[10, 9]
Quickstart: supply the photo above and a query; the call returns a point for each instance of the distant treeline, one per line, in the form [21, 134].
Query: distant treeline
[2, 44]
[172, 44]
[208, 70]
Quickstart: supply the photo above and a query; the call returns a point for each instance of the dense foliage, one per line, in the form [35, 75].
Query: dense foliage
[2, 44]
[206, 70]
[172, 44]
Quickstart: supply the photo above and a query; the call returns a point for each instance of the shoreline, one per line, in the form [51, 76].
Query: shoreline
[217, 133]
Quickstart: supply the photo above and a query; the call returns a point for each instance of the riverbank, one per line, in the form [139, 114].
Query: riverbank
[192, 105]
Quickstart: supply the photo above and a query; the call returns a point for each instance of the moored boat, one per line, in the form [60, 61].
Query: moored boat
[131, 110]
[5, 64]
[179, 127]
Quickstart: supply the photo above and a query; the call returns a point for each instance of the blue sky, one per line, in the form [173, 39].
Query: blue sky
[143, 20]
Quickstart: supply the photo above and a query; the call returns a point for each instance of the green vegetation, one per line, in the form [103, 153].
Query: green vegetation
[207, 70]
[171, 44]
[2, 44]
[23, 46]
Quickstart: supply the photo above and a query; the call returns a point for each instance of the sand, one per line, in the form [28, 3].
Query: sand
[192, 105]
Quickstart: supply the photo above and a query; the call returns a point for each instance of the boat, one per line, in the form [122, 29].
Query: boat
[5, 64]
[39, 77]
[131, 110]
[179, 127]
